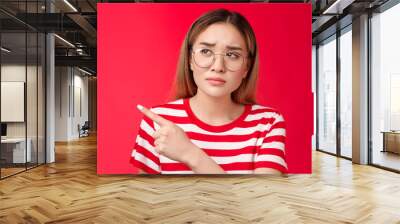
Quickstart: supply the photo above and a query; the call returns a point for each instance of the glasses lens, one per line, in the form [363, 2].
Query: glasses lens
[233, 61]
[204, 58]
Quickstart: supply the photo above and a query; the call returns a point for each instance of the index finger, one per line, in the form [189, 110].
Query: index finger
[154, 117]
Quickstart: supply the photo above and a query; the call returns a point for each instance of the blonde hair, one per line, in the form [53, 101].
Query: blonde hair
[185, 85]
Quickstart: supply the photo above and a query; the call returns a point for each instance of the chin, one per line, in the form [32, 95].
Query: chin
[216, 92]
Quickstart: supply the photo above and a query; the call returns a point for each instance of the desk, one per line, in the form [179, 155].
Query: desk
[16, 148]
[391, 141]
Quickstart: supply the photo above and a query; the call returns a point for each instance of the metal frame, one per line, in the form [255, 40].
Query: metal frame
[339, 32]
[26, 88]
[0, 91]
[369, 98]
[317, 93]
[316, 98]
[389, 4]
[338, 74]
[37, 164]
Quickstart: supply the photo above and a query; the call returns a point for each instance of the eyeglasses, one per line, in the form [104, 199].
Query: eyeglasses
[204, 58]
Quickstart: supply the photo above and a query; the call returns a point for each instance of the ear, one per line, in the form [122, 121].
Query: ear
[245, 74]
[191, 62]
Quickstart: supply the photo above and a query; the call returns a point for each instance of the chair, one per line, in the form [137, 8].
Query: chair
[84, 130]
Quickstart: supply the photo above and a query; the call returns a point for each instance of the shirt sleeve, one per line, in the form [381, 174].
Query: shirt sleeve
[271, 153]
[144, 155]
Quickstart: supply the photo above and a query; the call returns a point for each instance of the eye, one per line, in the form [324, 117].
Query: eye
[206, 52]
[233, 55]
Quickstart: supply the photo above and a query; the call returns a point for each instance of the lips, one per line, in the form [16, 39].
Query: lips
[216, 81]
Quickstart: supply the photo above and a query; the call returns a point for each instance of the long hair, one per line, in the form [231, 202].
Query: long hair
[185, 85]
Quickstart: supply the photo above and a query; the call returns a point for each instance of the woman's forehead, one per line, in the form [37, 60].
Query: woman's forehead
[221, 35]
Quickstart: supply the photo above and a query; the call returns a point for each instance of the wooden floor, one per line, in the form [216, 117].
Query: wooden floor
[387, 159]
[70, 191]
[5, 172]
[9, 170]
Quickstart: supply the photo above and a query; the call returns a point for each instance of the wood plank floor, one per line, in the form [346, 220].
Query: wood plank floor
[10, 171]
[70, 191]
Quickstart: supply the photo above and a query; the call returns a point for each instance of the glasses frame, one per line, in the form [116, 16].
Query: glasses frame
[244, 59]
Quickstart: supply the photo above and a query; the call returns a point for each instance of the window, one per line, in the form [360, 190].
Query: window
[22, 77]
[385, 88]
[327, 95]
[346, 93]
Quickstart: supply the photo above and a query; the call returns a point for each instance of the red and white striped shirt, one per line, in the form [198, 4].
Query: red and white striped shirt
[256, 139]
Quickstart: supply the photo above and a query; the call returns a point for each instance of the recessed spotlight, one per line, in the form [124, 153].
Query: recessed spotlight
[70, 5]
[64, 40]
[84, 71]
[337, 7]
[5, 50]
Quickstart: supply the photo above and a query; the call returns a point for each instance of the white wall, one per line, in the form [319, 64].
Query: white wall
[17, 73]
[71, 87]
[314, 91]
[50, 94]
[80, 84]
[14, 73]
[62, 78]
[33, 126]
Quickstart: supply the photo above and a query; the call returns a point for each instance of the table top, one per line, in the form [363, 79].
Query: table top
[13, 140]
[391, 132]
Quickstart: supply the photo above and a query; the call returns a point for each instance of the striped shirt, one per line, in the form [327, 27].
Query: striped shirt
[256, 139]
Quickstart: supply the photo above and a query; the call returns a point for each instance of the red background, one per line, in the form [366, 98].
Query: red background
[138, 48]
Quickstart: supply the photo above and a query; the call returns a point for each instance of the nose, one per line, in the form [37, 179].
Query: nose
[219, 63]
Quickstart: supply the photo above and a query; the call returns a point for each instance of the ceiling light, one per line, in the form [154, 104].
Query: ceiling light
[84, 71]
[5, 50]
[70, 5]
[64, 40]
[338, 6]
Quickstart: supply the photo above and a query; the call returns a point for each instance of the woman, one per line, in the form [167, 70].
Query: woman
[214, 126]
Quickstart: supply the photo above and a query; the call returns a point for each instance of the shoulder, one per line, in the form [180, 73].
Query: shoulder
[263, 111]
[171, 108]
[172, 111]
[270, 118]
[172, 103]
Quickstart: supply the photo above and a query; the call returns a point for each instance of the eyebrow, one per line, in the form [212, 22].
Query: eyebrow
[228, 47]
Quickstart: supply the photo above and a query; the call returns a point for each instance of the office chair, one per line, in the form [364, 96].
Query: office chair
[84, 130]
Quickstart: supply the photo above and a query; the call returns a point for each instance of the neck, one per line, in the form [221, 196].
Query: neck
[215, 110]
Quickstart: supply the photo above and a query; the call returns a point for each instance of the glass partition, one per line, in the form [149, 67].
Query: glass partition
[327, 95]
[22, 88]
[14, 154]
[385, 89]
[346, 93]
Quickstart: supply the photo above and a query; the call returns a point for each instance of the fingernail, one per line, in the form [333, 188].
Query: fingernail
[140, 107]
